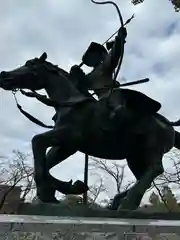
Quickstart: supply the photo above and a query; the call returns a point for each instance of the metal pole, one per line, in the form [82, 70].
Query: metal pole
[85, 198]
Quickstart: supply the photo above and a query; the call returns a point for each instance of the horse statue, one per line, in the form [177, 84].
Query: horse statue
[82, 125]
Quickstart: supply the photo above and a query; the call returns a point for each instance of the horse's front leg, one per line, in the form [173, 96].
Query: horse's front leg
[54, 156]
[135, 194]
[65, 138]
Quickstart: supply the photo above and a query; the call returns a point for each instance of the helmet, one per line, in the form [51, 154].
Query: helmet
[94, 55]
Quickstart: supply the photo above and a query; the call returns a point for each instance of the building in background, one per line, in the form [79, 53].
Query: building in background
[12, 198]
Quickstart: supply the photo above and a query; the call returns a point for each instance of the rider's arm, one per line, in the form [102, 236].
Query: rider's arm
[76, 75]
[111, 61]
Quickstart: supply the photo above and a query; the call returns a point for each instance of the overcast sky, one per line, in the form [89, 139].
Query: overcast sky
[64, 29]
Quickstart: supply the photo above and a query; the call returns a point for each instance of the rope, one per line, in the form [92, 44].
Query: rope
[14, 91]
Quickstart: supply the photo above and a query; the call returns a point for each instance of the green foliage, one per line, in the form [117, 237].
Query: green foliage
[175, 3]
[169, 198]
[154, 199]
[166, 202]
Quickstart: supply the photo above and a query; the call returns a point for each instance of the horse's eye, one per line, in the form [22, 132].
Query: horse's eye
[27, 64]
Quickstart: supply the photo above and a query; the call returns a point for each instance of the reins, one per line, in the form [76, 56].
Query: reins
[43, 99]
[26, 114]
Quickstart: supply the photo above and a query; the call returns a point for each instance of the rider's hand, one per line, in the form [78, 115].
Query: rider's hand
[122, 33]
[76, 71]
[75, 68]
[116, 84]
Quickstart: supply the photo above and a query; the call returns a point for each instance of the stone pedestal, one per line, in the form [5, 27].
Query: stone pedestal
[64, 222]
[23, 227]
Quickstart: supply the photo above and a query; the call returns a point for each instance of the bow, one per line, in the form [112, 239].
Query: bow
[122, 45]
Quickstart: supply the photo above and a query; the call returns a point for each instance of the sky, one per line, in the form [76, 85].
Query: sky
[64, 29]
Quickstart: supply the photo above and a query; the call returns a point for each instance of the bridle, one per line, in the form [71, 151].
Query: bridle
[43, 99]
[26, 114]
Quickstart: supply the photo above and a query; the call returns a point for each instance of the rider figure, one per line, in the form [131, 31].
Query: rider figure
[102, 73]
[104, 63]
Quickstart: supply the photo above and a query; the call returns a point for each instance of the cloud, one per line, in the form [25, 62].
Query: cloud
[64, 30]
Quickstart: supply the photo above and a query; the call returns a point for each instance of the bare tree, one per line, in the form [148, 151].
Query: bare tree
[170, 179]
[16, 171]
[96, 189]
[104, 170]
[171, 175]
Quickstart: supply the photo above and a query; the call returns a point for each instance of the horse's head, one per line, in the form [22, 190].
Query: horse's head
[32, 75]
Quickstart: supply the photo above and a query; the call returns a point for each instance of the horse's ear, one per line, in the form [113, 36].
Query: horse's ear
[43, 56]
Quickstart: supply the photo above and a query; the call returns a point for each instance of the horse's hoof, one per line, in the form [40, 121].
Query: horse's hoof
[126, 205]
[78, 188]
[123, 208]
[54, 201]
[117, 200]
[50, 200]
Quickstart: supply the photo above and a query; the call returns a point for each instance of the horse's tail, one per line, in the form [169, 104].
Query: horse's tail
[177, 140]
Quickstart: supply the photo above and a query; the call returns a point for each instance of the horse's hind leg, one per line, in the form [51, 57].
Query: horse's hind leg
[118, 199]
[138, 168]
[135, 194]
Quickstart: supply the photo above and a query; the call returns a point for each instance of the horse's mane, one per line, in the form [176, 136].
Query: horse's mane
[57, 69]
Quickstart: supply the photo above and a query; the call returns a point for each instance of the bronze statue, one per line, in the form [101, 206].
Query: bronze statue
[79, 126]
[121, 124]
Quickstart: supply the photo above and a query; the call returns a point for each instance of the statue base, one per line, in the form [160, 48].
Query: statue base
[65, 210]
[64, 222]
[30, 227]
